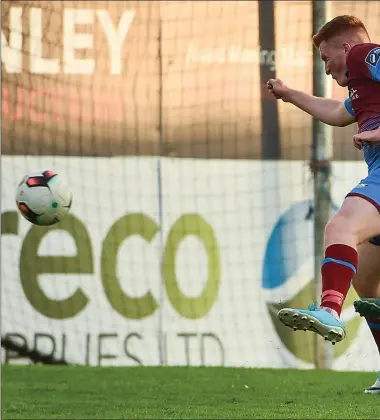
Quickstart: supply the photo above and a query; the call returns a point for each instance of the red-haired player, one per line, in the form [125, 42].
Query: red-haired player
[352, 237]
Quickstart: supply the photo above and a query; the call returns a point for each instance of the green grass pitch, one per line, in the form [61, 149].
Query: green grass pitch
[51, 392]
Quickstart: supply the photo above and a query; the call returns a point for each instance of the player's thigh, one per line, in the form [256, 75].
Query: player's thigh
[367, 279]
[359, 215]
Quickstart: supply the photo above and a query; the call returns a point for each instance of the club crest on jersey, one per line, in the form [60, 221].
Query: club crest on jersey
[353, 94]
[373, 57]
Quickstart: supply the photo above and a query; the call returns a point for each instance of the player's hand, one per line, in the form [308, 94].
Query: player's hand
[366, 137]
[278, 89]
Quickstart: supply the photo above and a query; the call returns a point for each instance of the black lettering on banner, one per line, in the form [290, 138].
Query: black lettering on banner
[87, 361]
[131, 356]
[187, 336]
[202, 347]
[37, 337]
[63, 346]
[104, 356]
[14, 353]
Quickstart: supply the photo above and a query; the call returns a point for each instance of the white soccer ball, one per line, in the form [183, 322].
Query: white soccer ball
[43, 198]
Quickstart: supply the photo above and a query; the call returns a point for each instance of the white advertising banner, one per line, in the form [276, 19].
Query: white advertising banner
[186, 271]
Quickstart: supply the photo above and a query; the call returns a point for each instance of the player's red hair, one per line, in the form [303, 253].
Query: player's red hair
[338, 26]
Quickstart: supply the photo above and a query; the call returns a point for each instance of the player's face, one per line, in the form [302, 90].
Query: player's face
[334, 57]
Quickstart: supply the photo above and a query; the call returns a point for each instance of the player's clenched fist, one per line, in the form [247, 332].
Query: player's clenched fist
[278, 89]
[367, 138]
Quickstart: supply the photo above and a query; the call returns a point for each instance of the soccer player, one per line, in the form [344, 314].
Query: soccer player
[368, 307]
[352, 241]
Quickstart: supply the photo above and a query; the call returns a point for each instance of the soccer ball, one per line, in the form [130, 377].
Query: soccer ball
[42, 198]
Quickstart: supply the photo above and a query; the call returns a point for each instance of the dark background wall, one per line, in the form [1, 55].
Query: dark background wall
[191, 69]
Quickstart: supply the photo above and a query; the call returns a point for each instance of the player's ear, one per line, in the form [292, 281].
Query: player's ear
[347, 47]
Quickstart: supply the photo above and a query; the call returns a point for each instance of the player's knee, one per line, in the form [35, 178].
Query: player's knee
[337, 225]
[345, 228]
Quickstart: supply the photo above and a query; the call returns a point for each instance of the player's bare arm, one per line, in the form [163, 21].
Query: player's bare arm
[366, 137]
[329, 111]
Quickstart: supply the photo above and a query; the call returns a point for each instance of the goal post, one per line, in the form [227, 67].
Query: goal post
[321, 162]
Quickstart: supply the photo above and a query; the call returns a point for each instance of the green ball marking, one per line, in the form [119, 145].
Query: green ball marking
[54, 204]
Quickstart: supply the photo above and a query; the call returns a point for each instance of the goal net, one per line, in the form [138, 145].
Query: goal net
[191, 222]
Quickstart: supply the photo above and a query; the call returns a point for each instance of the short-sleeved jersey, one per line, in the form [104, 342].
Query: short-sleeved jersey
[363, 68]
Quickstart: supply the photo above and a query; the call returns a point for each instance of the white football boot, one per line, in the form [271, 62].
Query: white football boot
[375, 388]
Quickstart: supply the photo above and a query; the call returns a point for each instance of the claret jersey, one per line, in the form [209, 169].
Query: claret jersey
[363, 72]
